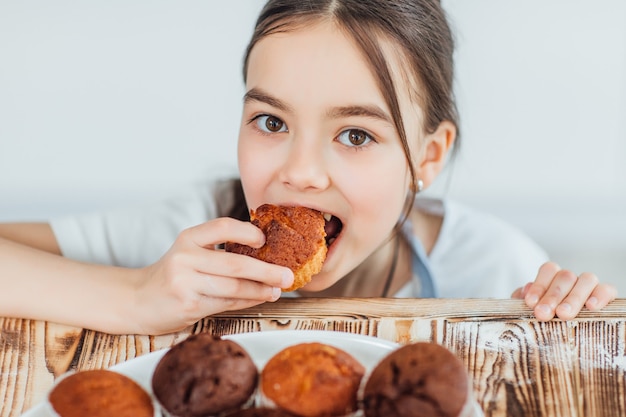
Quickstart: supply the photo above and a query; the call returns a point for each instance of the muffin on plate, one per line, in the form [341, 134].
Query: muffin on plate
[204, 375]
[312, 379]
[419, 380]
[99, 393]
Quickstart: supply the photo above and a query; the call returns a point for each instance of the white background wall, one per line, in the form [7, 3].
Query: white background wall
[104, 103]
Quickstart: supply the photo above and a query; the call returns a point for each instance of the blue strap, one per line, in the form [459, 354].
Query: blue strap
[420, 263]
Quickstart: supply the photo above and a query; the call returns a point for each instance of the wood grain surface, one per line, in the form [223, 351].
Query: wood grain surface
[519, 366]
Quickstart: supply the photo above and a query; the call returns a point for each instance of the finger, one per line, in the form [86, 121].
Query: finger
[234, 288]
[520, 293]
[206, 306]
[578, 296]
[235, 305]
[226, 264]
[538, 288]
[601, 296]
[225, 229]
[562, 283]
[194, 306]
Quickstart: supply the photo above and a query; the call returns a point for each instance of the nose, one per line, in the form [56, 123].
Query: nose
[305, 168]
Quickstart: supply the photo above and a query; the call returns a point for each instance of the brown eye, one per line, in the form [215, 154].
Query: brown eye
[357, 137]
[269, 124]
[273, 124]
[354, 137]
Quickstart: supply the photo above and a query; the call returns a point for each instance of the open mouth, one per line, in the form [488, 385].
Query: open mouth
[332, 227]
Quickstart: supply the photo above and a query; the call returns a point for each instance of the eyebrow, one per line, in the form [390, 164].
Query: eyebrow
[256, 94]
[367, 110]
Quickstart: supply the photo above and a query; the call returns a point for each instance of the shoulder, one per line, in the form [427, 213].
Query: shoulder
[138, 235]
[490, 256]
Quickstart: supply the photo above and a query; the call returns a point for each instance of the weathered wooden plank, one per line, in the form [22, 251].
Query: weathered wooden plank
[11, 345]
[405, 307]
[519, 366]
[601, 363]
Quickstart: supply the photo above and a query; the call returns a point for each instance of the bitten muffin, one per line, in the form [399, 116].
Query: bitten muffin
[419, 380]
[204, 375]
[294, 237]
[312, 380]
[99, 393]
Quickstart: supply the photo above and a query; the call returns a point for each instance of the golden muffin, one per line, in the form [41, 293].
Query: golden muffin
[99, 393]
[312, 380]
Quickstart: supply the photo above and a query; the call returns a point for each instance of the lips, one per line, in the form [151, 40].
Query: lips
[332, 227]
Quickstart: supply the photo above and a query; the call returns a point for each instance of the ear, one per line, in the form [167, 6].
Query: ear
[436, 148]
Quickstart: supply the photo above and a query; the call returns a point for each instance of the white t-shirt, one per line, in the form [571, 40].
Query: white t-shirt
[476, 254]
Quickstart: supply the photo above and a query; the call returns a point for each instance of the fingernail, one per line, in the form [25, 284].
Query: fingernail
[276, 293]
[592, 302]
[543, 309]
[532, 300]
[287, 279]
[565, 308]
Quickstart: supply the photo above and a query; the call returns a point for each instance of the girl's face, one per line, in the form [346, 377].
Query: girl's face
[316, 132]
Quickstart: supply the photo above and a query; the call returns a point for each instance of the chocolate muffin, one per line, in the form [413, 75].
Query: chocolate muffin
[204, 375]
[99, 393]
[312, 380]
[294, 237]
[418, 380]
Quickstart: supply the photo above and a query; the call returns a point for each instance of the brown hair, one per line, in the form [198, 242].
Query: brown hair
[418, 27]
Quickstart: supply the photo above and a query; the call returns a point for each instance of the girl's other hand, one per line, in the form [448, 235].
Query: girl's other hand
[559, 292]
[194, 279]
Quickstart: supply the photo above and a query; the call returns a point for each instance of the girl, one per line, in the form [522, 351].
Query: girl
[349, 110]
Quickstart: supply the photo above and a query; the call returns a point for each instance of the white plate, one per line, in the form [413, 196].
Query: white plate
[261, 346]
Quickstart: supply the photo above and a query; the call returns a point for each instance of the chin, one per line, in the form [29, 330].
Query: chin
[319, 282]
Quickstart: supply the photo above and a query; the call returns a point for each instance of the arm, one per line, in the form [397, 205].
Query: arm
[191, 281]
[41, 285]
[35, 235]
[559, 292]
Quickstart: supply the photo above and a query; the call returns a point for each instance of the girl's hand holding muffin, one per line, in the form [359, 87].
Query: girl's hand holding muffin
[194, 279]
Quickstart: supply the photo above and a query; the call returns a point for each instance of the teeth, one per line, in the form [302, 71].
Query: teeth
[331, 240]
[327, 216]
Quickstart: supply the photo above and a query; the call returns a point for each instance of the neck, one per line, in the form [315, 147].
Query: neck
[377, 276]
[392, 267]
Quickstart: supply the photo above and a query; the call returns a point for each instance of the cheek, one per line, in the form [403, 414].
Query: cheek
[382, 201]
[378, 194]
[253, 171]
